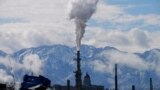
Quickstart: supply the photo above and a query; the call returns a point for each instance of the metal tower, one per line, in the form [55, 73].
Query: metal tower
[78, 73]
[116, 78]
[151, 84]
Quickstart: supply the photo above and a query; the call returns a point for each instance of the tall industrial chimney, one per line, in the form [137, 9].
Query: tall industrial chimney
[78, 73]
[68, 85]
[133, 87]
[151, 84]
[116, 78]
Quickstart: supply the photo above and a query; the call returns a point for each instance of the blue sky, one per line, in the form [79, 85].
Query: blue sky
[118, 23]
[9, 20]
[138, 6]
[135, 8]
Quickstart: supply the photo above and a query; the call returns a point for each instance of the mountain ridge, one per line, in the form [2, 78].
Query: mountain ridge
[59, 64]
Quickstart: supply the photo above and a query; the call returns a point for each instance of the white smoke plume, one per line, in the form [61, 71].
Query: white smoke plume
[33, 63]
[81, 11]
[4, 77]
[30, 64]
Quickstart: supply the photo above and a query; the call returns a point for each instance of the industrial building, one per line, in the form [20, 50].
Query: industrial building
[35, 83]
[42, 83]
[85, 86]
[31, 82]
[3, 86]
[6, 87]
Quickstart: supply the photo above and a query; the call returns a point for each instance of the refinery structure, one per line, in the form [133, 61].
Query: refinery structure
[79, 85]
[80, 12]
[41, 83]
[31, 82]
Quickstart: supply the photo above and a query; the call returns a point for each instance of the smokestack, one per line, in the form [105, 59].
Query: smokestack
[68, 85]
[116, 78]
[78, 73]
[151, 84]
[133, 87]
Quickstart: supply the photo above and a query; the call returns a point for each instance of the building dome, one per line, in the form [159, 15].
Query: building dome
[87, 80]
[87, 76]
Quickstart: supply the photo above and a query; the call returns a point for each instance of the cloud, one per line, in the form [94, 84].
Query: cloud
[17, 36]
[129, 60]
[151, 63]
[119, 15]
[34, 11]
[154, 60]
[152, 19]
[134, 40]
[5, 78]
[140, 37]
[10, 63]
[113, 57]
[106, 12]
[99, 66]
[45, 23]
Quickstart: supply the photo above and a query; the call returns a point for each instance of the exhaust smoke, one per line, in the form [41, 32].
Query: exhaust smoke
[81, 11]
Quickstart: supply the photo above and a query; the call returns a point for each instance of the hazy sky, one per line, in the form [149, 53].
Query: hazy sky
[129, 25]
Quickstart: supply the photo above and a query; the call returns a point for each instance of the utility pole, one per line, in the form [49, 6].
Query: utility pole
[151, 84]
[116, 78]
[133, 87]
[68, 85]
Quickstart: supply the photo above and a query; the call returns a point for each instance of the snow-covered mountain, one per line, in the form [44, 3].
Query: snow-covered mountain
[2, 53]
[59, 65]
